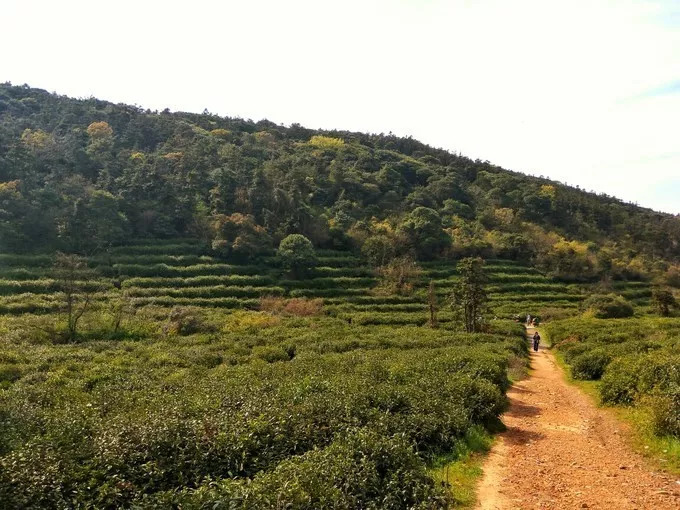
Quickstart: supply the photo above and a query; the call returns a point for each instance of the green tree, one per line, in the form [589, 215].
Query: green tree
[378, 250]
[422, 229]
[469, 298]
[238, 236]
[297, 255]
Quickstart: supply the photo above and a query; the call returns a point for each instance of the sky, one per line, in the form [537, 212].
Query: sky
[586, 92]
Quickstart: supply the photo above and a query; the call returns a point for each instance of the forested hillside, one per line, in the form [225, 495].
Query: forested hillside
[85, 175]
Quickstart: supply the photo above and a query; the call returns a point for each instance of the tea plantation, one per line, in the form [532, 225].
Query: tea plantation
[637, 362]
[181, 273]
[202, 384]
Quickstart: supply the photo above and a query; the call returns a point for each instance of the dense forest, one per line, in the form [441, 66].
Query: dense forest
[83, 175]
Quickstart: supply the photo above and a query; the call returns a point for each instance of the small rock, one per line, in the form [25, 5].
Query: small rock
[623, 467]
[584, 505]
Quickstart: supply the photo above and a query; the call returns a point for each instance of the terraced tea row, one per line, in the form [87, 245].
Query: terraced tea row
[182, 273]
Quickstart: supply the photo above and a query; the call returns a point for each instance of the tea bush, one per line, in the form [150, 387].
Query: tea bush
[638, 361]
[250, 411]
[608, 306]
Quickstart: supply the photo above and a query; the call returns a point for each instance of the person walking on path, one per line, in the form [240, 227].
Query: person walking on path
[537, 339]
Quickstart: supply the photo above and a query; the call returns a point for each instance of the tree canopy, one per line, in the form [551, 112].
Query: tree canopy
[80, 175]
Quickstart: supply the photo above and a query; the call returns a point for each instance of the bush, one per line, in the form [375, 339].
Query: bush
[8, 373]
[200, 281]
[619, 383]
[360, 470]
[608, 306]
[637, 361]
[270, 353]
[183, 321]
[300, 307]
[164, 270]
[590, 365]
[665, 409]
[217, 291]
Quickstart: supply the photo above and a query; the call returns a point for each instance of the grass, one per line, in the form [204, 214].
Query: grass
[461, 469]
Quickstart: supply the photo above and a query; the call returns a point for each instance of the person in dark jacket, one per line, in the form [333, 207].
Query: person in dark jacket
[537, 339]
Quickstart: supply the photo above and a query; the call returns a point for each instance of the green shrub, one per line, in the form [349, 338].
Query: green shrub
[217, 291]
[200, 281]
[590, 365]
[665, 409]
[608, 306]
[164, 270]
[9, 373]
[620, 382]
[270, 353]
[190, 248]
[361, 470]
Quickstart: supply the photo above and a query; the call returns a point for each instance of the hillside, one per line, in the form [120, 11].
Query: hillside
[86, 175]
[204, 312]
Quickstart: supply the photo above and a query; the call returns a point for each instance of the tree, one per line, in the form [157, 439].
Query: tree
[569, 260]
[663, 301]
[91, 219]
[296, 254]
[423, 232]
[238, 236]
[120, 306]
[399, 275]
[469, 298]
[72, 275]
[378, 250]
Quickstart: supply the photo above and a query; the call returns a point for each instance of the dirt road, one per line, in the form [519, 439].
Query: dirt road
[561, 452]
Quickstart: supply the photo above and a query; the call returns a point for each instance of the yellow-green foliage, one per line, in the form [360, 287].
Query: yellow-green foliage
[326, 142]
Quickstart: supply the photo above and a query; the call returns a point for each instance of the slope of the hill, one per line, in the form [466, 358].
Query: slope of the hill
[84, 175]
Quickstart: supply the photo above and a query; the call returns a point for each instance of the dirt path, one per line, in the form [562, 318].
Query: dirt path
[561, 452]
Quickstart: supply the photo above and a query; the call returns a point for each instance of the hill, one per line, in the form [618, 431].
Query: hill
[205, 312]
[86, 175]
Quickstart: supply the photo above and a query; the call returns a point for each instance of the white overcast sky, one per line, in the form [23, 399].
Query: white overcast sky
[583, 91]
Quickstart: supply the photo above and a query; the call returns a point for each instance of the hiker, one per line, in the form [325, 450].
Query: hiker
[528, 320]
[537, 339]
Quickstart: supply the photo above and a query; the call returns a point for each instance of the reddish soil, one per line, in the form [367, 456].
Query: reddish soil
[560, 451]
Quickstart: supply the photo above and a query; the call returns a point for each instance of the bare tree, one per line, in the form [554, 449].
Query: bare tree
[432, 303]
[121, 307]
[74, 280]
[399, 276]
